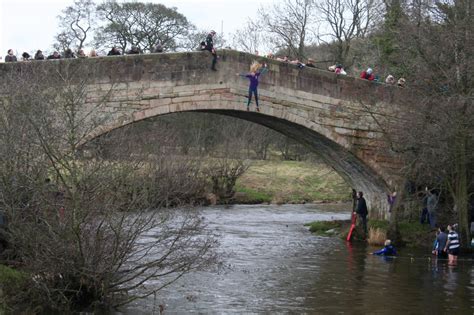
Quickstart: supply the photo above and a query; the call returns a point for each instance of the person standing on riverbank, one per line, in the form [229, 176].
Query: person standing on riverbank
[362, 210]
[432, 205]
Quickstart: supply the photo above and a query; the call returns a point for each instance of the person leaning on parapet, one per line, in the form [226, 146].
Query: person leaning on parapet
[367, 74]
[158, 48]
[362, 210]
[209, 46]
[114, 52]
[133, 51]
[25, 56]
[10, 57]
[39, 55]
[93, 54]
[401, 82]
[69, 54]
[310, 63]
[390, 79]
[55, 55]
[81, 53]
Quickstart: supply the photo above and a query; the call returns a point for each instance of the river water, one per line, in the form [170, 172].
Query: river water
[275, 265]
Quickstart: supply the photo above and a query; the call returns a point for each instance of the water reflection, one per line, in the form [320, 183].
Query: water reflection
[276, 265]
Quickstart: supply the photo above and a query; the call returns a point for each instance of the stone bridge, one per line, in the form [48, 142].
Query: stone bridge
[340, 118]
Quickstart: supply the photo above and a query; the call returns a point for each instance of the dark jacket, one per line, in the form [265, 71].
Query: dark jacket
[209, 43]
[114, 52]
[10, 58]
[53, 57]
[362, 207]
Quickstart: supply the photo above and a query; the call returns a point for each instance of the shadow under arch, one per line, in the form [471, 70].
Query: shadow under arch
[353, 170]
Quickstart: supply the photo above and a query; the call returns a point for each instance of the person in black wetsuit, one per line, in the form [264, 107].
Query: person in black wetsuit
[209, 46]
[362, 210]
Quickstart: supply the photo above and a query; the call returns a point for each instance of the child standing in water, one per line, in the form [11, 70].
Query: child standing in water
[256, 70]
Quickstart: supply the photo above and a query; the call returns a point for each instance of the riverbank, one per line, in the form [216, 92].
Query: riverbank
[290, 182]
[412, 234]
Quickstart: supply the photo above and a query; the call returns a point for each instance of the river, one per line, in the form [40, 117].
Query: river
[275, 265]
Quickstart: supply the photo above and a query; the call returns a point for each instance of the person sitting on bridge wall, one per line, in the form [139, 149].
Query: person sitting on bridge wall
[93, 54]
[10, 57]
[310, 63]
[209, 46]
[367, 75]
[69, 54]
[256, 70]
[388, 250]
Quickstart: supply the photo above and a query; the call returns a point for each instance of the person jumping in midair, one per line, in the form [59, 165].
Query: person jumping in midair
[256, 70]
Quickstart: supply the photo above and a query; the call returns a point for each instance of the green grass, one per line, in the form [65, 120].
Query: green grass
[293, 182]
[253, 196]
[320, 227]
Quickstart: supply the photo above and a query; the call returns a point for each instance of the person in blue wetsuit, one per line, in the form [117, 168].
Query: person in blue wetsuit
[388, 250]
[256, 70]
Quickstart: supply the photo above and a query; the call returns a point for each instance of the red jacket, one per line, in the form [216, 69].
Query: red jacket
[365, 75]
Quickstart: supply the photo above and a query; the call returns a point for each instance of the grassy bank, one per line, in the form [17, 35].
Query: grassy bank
[412, 234]
[290, 182]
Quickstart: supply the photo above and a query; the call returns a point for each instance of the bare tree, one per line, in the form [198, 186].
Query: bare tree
[80, 226]
[251, 38]
[76, 24]
[289, 25]
[345, 21]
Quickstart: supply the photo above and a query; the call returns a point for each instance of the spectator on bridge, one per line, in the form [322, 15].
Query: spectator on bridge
[367, 75]
[209, 46]
[81, 53]
[69, 54]
[362, 210]
[256, 70]
[133, 51]
[55, 55]
[39, 55]
[340, 70]
[25, 56]
[284, 59]
[310, 63]
[390, 79]
[158, 48]
[114, 52]
[10, 57]
[388, 250]
[93, 54]
[401, 82]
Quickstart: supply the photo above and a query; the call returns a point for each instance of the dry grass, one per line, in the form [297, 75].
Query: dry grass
[290, 181]
[377, 236]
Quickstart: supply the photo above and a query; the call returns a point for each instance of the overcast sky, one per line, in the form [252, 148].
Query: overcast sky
[28, 25]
